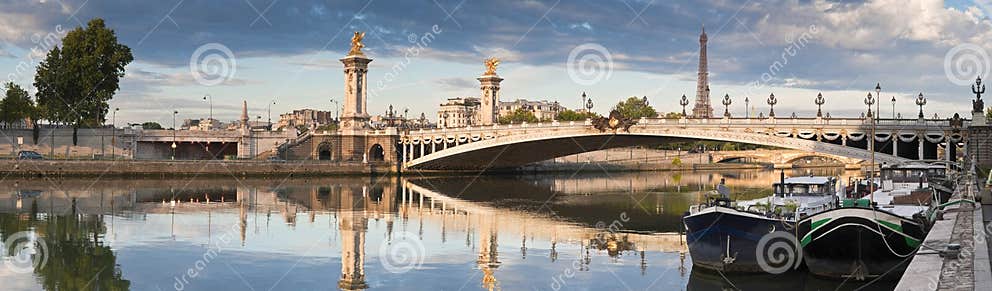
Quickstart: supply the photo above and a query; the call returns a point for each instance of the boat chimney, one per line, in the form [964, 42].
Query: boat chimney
[782, 182]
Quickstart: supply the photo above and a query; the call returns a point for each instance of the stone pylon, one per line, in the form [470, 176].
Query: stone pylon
[702, 109]
[489, 108]
[354, 116]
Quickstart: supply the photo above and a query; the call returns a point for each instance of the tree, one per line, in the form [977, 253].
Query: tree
[571, 115]
[151, 125]
[518, 116]
[16, 105]
[673, 115]
[76, 81]
[636, 108]
[988, 113]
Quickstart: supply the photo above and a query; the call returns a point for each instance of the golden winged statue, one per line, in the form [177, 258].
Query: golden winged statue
[491, 64]
[356, 44]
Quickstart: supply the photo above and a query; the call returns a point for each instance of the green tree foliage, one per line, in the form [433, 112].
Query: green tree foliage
[677, 162]
[518, 116]
[673, 115]
[76, 81]
[151, 125]
[988, 112]
[636, 108]
[16, 104]
[571, 115]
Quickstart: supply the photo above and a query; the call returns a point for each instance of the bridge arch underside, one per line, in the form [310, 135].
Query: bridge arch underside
[512, 155]
[496, 154]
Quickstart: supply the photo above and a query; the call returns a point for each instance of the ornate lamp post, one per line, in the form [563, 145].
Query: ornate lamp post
[771, 102]
[819, 104]
[726, 105]
[747, 107]
[869, 101]
[920, 101]
[583, 104]
[893, 107]
[684, 101]
[589, 105]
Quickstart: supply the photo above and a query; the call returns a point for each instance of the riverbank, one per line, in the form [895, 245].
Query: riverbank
[208, 168]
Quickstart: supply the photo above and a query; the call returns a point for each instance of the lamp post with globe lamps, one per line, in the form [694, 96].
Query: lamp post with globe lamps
[726, 105]
[771, 102]
[920, 101]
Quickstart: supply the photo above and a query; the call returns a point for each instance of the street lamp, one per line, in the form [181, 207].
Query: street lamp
[920, 101]
[771, 102]
[269, 126]
[210, 99]
[336, 104]
[819, 104]
[726, 105]
[684, 101]
[583, 100]
[878, 94]
[174, 113]
[747, 107]
[113, 138]
[589, 105]
[893, 107]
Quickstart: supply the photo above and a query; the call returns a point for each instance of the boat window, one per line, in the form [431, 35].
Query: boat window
[799, 189]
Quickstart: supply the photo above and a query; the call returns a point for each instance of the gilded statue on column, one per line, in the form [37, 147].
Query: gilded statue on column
[356, 44]
[491, 64]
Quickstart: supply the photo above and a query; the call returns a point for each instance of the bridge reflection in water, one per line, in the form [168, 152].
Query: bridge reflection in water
[509, 232]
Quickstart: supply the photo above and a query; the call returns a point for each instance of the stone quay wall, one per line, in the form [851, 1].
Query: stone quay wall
[212, 168]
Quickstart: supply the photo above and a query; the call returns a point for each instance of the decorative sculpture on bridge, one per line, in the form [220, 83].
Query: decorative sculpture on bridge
[356, 44]
[978, 105]
[615, 122]
[491, 64]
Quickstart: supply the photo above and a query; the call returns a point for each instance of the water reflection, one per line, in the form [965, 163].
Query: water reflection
[495, 232]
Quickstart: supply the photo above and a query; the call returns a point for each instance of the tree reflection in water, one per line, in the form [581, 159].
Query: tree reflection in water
[77, 257]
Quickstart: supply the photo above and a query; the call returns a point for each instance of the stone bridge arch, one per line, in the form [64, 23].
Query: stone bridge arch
[492, 149]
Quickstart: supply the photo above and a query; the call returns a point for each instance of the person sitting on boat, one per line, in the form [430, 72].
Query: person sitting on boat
[723, 190]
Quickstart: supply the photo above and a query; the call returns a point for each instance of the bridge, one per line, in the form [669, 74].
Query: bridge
[514, 145]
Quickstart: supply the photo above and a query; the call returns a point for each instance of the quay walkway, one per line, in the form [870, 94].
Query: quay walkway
[936, 266]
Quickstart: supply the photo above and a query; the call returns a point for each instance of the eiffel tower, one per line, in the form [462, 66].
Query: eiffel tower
[702, 109]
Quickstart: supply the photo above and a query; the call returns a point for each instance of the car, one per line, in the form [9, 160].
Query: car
[29, 155]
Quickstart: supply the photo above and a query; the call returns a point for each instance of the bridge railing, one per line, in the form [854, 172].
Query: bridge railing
[711, 122]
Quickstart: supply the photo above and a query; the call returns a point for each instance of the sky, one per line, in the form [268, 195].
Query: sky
[284, 55]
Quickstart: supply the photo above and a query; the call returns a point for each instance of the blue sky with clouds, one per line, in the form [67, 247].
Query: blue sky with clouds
[288, 51]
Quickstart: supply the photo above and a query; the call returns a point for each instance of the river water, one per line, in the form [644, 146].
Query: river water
[605, 231]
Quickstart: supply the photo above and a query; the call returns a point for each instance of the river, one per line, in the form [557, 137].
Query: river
[597, 231]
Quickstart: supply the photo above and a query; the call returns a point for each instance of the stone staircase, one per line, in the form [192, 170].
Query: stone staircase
[299, 148]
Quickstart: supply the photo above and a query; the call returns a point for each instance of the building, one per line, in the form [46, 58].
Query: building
[202, 124]
[458, 112]
[304, 117]
[702, 108]
[543, 109]
[400, 121]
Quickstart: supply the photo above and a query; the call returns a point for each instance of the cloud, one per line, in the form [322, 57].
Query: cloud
[456, 83]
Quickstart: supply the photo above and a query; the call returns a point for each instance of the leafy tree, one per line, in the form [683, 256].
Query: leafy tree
[988, 113]
[673, 115]
[151, 125]
[16, 104]
[518, 116]
[635, 108]
[677, 162]
[571, 115]
[76, 81]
